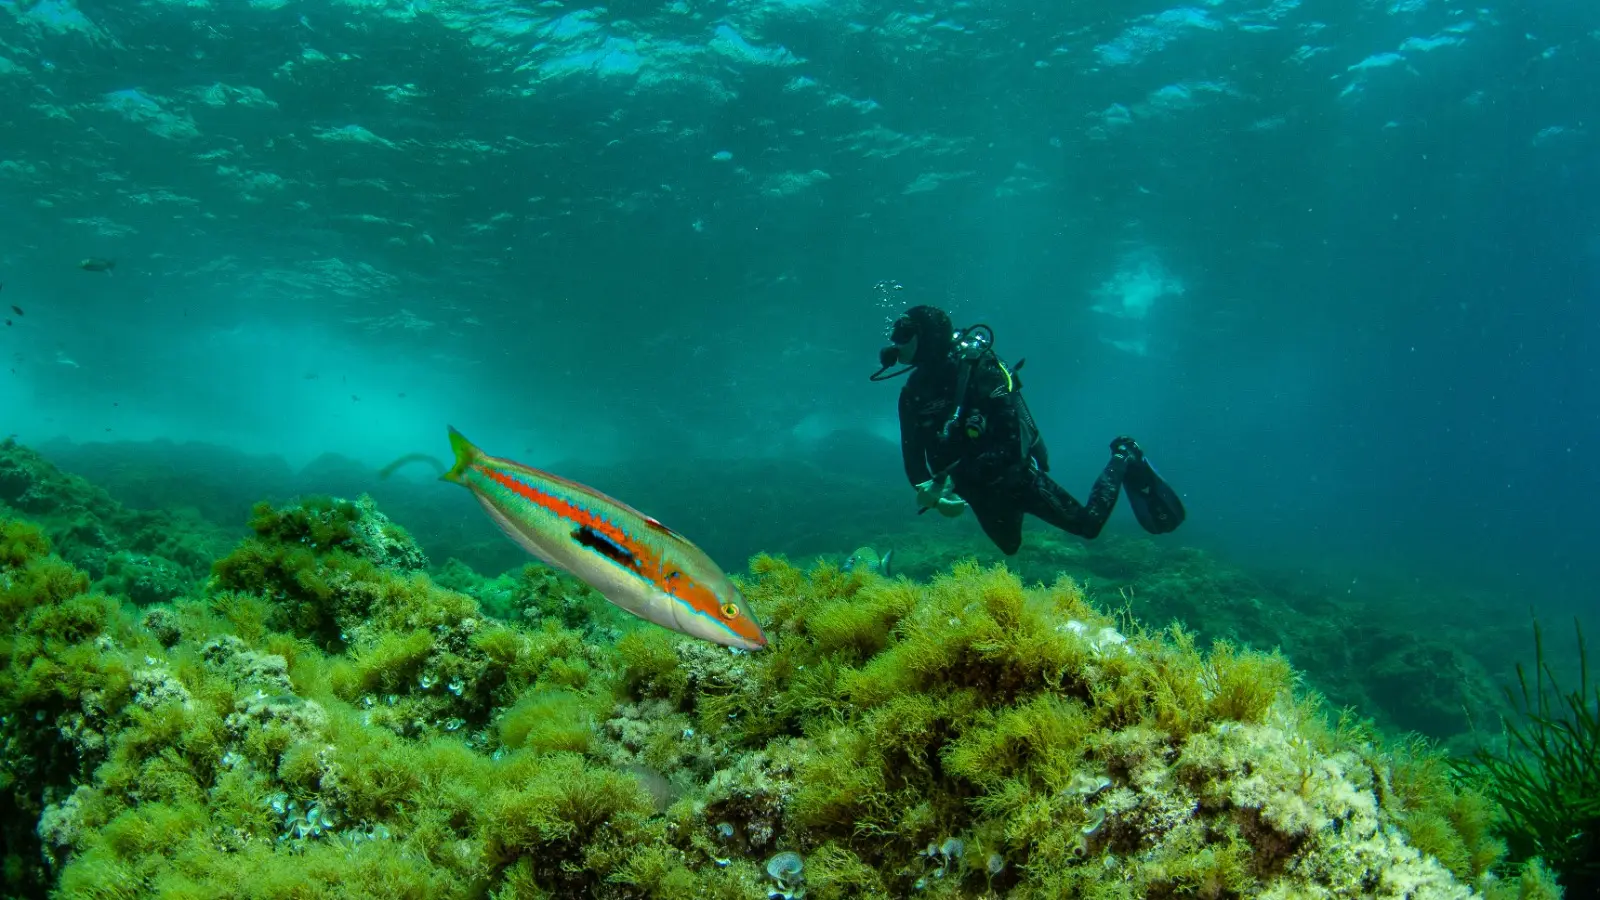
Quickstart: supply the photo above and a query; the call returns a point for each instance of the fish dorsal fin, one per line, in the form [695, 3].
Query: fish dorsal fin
[656, 525]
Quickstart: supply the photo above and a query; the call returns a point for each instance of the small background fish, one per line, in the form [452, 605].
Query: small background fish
[867, 559]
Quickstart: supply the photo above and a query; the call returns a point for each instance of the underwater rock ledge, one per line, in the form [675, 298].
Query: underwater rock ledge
[321, 718]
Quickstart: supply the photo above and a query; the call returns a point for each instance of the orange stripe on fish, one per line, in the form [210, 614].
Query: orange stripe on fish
[635, 556]
[632, 559]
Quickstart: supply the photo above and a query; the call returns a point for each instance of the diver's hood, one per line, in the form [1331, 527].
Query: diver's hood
[935, 334]
[935, 338]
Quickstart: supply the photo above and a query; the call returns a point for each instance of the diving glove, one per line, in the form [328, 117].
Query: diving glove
[935, 494]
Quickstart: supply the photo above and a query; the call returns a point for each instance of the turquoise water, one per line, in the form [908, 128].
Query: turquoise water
[1333, 264]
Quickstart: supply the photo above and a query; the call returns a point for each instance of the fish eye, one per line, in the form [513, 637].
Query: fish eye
[729, 611]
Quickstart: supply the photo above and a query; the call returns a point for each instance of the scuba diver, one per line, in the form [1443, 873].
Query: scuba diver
[968, 439]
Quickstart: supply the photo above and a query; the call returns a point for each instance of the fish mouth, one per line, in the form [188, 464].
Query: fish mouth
[741, 642]
[731, 638]
[740, 633]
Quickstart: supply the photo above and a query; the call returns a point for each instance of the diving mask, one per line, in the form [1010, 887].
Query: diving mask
[902, 333]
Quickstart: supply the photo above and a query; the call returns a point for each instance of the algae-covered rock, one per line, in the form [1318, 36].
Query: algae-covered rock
[147, 556]
[1358, 642]
[231, 657]
[324, 524]
[145, 580]
[322, 719]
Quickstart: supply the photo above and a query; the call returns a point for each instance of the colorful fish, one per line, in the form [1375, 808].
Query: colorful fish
[631, 559]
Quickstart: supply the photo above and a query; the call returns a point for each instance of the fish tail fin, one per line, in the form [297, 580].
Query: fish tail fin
[466, 454]
[883, 565]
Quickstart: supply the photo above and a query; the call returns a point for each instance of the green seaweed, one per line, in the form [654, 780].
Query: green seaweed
[1546, 781]
[325, 719]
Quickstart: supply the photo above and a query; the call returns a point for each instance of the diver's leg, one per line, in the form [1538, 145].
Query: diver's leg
[1001, 518]
[1051, 502]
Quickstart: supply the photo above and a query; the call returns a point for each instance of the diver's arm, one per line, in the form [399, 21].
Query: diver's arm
[912, 452]
[1007, 413]
[1039, 452]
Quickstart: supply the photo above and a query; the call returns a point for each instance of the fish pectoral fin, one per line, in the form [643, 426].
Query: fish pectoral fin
[517, 537]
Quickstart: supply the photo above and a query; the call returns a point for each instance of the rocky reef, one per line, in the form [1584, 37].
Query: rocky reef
[1375, 643]
[320, 716]
[144, 556]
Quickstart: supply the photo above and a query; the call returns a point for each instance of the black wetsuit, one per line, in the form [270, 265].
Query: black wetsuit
[994, 473]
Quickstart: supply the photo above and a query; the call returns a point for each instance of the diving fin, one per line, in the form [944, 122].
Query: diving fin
[1154, 502]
